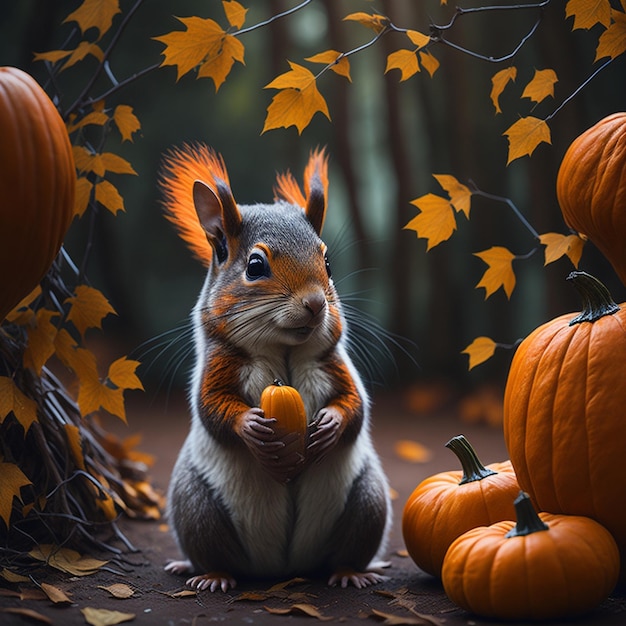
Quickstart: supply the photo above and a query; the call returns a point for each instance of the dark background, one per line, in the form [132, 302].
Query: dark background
[386, 139]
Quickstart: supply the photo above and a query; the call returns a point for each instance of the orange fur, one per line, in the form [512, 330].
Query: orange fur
[181, 168]
[288, 189]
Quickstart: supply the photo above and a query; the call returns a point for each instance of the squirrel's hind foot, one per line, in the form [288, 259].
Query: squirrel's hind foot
[343, 577]
[179, 567]
[212, 581]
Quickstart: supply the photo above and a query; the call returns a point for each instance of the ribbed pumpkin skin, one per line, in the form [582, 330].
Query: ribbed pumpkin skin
[591, 188]
[37, 184]
[285, 404]
[564, 408]
[561, 572]
[440, 509]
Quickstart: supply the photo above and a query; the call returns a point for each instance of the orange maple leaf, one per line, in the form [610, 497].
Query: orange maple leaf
[541, 85]
[235, 13]
[82, 195]
[587, 14]
[336, 61]
[73, 435]
[126, 121]
[97, 118]
[479, 351]
[297, 101]
[109, 197]
[204, 44]
[428, 61]
[83, 49]
[435, 222]
[612, 41]
[95, 14]
[498, 82]
[525, 135]
[88, 307]
[375, 21]
[100, 163]
[460, 194]
[558, 245]
[12, 479]
[13, 400]
[41, 333]
[419, 39]
[499, 272]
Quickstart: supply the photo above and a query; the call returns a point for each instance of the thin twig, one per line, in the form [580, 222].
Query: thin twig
[243, 31]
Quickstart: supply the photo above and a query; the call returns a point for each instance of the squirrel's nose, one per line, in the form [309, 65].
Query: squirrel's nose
[314, 303]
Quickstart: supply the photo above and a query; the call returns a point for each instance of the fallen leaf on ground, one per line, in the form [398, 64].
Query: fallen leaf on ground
[28, 613]
[400, 620]
[296, 609]
[104, 617]
[279, 590]
[118, 590]
[412, 451]
[56, 595]
[12, 577]
[68, 561]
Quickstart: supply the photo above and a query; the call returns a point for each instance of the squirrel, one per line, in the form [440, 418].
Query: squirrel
[241, 503]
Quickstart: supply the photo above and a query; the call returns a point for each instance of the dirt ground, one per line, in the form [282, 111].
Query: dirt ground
[408, 596]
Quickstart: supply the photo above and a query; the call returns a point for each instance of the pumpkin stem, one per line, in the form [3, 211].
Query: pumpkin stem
[473, 469]
[597, 301]
[528, 522]
[278, 382]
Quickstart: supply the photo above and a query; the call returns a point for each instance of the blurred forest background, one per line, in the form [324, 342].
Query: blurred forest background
[386, 139]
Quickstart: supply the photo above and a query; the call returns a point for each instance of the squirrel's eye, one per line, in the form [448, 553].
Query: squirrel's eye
[327, 262]
[258, 267]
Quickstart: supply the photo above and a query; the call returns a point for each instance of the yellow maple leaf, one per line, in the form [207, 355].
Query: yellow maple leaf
[82, 195]
[479, 351]
[588, 13]
[204, 43]
[558, 245]
[419, 39]
[460, 194]
[12, 479]
[41, 333]
[95, 14]
[541, 85]
[498, 82]
[525, 135]
[435, 222]
[52, 56]
[97, 118]
[297, 101]
[612, 41]
[100, 163]
[405, 61]
[109, 197]
[13, 400]
[499, 272]
[336, 61]
[428, 62]
[83, 49]
[88, 307]
[74, 438]
[235, 13]
[126, 121]
[122, 374]
[376, 22]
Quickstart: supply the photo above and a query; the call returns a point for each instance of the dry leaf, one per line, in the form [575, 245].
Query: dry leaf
[405, 61]
[479, 351]
[88, 307]
[126, 121]
[460, 194]
[12, 479]
[109, 197]
[100, 163]
[13, 577]
[235, 13]
[94, 14]
[296, 609]
[587, 14]
[66, 560]
[419, 39]
[500, 271]
[525, 135]
[435, 222]
[612, 41]
[83, 50]
[558, 245]
[104, 617]
[412, 451]
[376, 22]
[336, 61]
[82, 196]
[41, 334]
[541, 86]
[13, 400]
[98, 118]
[418, 619]
[498, 82]
[29, 614]
[56, 595]
[297, 101]
[428, 61]
[119, 590]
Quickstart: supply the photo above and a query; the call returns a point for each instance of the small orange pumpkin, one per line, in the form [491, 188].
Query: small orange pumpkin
[445, 505]
[591, 188]
[284, 403]
[544, 567]
[564, 405]
[37, 185]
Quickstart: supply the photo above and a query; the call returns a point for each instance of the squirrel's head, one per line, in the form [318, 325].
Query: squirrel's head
[270, 276]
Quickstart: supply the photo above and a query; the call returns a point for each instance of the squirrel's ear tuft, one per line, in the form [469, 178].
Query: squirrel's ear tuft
[197, 211]
[316, 188]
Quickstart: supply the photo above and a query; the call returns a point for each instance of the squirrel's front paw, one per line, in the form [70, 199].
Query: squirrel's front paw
[325, 434]
[269, 449]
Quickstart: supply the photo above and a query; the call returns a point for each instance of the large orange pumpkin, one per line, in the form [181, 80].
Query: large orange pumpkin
[591, 188]
[445, 505]
[542, 567]
[564, 405]
[37, 184]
